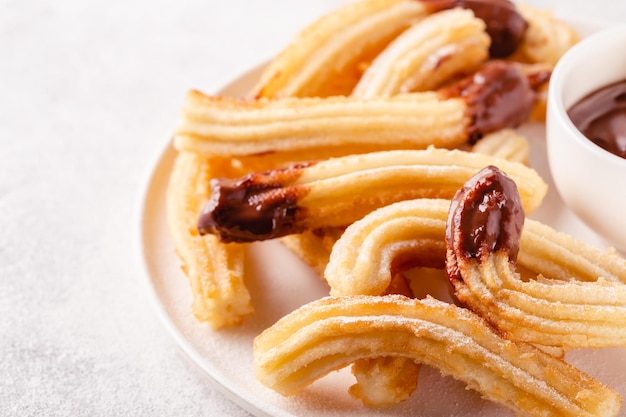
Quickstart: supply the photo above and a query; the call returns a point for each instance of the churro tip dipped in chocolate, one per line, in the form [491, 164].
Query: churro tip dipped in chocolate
[583, 308]
[486, 215]
[499, 95]
[431, 53]
[328, 56]
[236, 214]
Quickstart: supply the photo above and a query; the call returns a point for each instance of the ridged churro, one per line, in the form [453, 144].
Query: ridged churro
[499, 95]
[233, 127]
[214, 269]
[546, 39]
[339, 191]
[427, 55]
[326, 58]
[482, 247]
[505, 144]
[314, 246]
[364, 258]
[393, 238]
[333, 332]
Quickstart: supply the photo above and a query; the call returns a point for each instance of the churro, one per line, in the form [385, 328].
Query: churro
[333, 332]
[327, 57]
[214, 269]
[339, 191]
[393, 238]
[498, 96]
[546, 39]
[483, 241]
[427, 55]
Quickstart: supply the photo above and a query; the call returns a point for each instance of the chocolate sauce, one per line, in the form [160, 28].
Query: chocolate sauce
[505, 25]
[486, 215]
[500, 95]
[601, 117]
[256, 207]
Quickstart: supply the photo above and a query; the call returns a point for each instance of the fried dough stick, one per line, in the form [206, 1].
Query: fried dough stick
[498, 96]
[214, 269]
[412, 234]
[326, 57]
[333, 332]
[483, 242]
[339, 191]
[427, 55]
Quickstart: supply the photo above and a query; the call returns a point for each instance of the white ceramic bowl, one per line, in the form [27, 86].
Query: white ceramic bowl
[591, 180]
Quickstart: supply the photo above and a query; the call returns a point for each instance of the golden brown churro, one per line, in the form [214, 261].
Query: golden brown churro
[393, 238]
[500, 95]
[546, 38]
[365, 257]
[427, 55]
[340, 191]
[326, 58]
[483, 242]
[505, 144]
[214, 269]
[333, 332]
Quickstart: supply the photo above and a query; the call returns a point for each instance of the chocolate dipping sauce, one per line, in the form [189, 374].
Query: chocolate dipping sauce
[601, 117]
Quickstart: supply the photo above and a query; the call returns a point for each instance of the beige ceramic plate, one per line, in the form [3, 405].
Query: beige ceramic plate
[280, 283]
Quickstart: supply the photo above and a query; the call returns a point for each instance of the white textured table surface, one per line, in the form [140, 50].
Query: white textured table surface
[89, 93]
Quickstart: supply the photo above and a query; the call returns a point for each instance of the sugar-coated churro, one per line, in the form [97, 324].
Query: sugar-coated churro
[427, 55]
[506, 144]
[333, 332]
[214, 269]
[498, 96]
[483, 241]
[339, 191]
[326, 58]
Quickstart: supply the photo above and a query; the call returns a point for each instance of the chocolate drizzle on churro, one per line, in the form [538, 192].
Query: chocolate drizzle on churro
[500, 95]
[505, 25]
[486, 216]
[255, 207]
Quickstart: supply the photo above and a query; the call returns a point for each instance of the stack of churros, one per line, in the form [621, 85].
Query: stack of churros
[381, 140]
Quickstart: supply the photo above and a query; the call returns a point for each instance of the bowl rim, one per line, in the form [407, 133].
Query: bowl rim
[585, 47]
